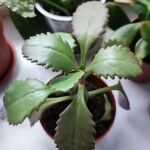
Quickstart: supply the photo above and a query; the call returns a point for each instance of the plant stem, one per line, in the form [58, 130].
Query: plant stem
[104, 90]
[90, 93]
[84, 52]
[83, 59]
[60, 99]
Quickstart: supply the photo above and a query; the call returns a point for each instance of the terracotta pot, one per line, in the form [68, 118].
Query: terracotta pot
[45, 118]
[7, 57]
[145, 76]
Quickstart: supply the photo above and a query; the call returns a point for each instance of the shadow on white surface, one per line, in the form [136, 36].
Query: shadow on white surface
[23, 137]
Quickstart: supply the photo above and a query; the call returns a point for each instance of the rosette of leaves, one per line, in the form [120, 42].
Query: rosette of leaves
[26, 98]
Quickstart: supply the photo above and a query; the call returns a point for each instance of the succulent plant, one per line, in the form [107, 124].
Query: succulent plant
[24, 8]
[27, 97]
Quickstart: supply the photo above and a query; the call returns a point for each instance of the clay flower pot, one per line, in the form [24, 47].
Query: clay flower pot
[50, 116]
[7, 57]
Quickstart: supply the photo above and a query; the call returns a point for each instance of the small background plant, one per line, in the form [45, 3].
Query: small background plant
[25, 8]
[135, 35]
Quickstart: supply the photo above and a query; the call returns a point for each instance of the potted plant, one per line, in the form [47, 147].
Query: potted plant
[78, 97]
[7, 57]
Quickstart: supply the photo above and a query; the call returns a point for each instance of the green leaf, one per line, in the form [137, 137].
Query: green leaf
[61, 83]
[145, 30]
[115, 61]
[23, 97]
[144, 2]
[126, 34]
[51, 51]
[142, 49]
[57, 84]
[25, 8]
[108, 109]
[123, 99]
[65, 82]
[75, 129]
[141, 10]
[87, 25]
[66, 37]
[116, 13]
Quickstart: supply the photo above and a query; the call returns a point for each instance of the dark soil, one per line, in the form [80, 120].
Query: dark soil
[95, 105]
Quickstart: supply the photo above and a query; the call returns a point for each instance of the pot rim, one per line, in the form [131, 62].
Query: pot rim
[12, 64]
[51, 15]
[113, 103]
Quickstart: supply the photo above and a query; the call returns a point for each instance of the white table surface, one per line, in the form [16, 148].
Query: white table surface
[131, 129]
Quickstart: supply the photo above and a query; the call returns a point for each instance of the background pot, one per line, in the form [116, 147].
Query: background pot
[57, 23]
[46, 116]
[145, 76]
[7, 57]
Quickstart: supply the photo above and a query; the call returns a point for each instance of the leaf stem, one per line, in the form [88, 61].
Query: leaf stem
[90, 93]
[83, 59]
[104, 90]
[60, 99]
[84, 53]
